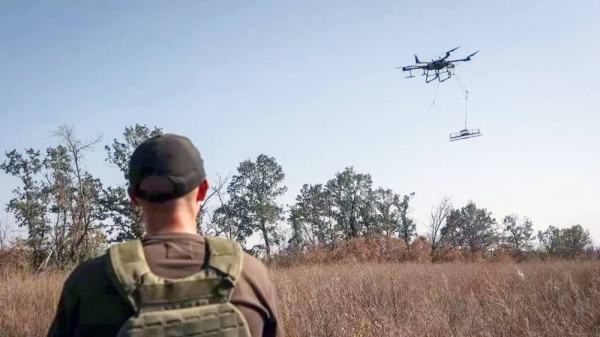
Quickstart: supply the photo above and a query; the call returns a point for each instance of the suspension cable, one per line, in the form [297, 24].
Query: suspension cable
[438, 108]
[436, 92]
[466, 92]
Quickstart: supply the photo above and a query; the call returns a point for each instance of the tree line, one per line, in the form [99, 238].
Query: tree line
[70, 215]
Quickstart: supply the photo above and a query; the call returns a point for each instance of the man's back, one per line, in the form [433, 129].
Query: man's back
[92, 306]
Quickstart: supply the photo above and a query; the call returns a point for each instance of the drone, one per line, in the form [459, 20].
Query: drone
[442, 66]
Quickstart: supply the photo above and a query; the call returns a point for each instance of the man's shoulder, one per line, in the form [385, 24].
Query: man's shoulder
[255, 271]
[251, 261]
[251, 265]
[256, 289]
[88, 271]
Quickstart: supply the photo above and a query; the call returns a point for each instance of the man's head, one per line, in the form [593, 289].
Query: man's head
[167, 180]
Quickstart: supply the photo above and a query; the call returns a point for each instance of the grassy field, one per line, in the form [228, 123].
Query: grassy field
[454, 299]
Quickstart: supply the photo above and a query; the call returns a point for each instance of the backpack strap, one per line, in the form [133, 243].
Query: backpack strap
[127, 268]
[129, 271]
[226, 256]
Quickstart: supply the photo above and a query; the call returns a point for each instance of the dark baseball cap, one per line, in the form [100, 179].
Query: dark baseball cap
[170, 159]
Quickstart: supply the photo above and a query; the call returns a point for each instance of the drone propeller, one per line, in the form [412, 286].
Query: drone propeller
[451, 50]
[473, 54]
[448, 52]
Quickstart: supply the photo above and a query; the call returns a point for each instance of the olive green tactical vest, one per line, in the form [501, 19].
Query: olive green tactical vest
[197, 305]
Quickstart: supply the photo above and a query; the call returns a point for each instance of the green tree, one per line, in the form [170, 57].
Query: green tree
[385, 202]
[297, 240]
[566, 242]
[391, 215]
[407, 228]
[551, 240]
[470, 228]
[309, 216]
[254, 191]
[29, 204]
[126, 221]
[58, 201]
[518, 233]
[367, 215]
[349, 191]
[575, 240]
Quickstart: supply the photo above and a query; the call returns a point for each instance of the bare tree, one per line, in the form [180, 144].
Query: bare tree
[216, 195]
[83, 204]
[222, 220]
[438, 216]
[3, 234]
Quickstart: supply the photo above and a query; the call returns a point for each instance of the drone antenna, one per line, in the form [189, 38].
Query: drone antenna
[466, 106]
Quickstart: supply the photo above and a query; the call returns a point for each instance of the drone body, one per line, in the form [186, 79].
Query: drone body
[438, 67]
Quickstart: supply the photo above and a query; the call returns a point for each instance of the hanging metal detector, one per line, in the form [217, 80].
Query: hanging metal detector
[465, 133]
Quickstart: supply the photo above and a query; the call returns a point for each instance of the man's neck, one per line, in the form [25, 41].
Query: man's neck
[171, 226]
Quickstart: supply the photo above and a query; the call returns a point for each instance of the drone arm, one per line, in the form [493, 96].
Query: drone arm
[468, 58]
[461, 60]
[407, 68]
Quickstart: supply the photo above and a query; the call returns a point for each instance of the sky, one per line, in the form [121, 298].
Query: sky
[313, 84]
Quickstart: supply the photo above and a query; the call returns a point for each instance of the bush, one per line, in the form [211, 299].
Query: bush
[355, 250]
[17, 257]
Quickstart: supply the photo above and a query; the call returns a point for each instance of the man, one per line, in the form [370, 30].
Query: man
[168, 182]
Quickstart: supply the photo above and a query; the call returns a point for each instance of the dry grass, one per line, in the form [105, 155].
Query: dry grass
[27, 303]
[549, 299]
[454, 299]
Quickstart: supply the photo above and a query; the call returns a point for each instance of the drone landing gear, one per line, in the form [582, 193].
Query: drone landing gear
[410, 75]
[431, 78]
[448, 73]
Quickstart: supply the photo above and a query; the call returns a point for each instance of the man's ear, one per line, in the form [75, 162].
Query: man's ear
[202, 190]
[132, 198]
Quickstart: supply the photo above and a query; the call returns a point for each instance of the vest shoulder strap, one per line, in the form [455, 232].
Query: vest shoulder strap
[226, 256]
